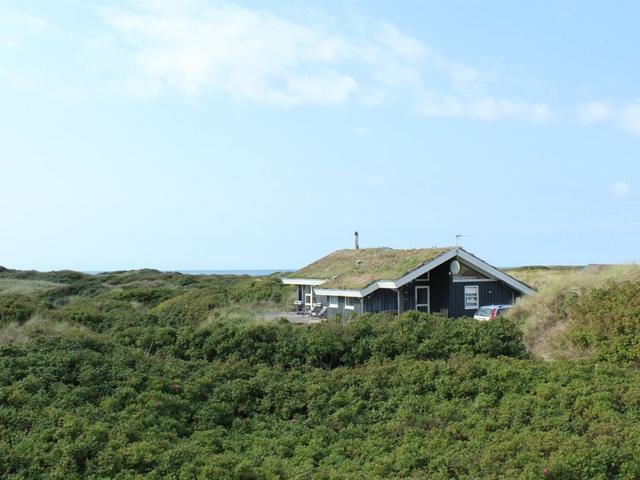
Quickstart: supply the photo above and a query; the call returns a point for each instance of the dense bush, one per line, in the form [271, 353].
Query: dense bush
[365, 337]
[148, 296]
[267, 289]
[79, 406]
[16, 308]
[100, 314]
[607, 319]
[192, 307]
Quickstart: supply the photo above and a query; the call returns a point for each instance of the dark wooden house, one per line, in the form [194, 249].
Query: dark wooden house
[450, 281]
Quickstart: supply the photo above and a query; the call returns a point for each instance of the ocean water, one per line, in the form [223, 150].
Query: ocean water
[251, 273]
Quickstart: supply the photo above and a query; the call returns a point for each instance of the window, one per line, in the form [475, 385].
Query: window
[471, 297]
[349, 303]
[424, 278]
[333, 302]
[422, 299]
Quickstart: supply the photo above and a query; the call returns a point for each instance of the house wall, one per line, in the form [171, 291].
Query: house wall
[382, 300]
[446, 294]
[438, 280]
[490, 293]
[343, 312]
[302, 291]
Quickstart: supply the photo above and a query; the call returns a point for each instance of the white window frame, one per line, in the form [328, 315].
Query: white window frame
[428, 305]
[308, 297]
[426, 277]
[470, 288]
[346, 304]
[333, 301]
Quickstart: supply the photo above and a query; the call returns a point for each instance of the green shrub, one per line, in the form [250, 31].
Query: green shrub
[331, 344]
[607, 319]
[256, 290]
[93, 406]
[17, 308]
[191, 307]
[148, 296]
[100, 314]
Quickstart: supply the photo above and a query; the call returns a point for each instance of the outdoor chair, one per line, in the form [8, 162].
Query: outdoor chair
[298, 307]
[319, 311]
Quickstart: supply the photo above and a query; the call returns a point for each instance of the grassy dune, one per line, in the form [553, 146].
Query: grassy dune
[579, 313]
[16, 286]
[538, 275]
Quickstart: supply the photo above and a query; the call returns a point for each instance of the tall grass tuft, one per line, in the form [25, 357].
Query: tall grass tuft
[38, 325]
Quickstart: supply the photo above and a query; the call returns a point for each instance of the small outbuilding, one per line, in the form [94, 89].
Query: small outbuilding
[450, 281]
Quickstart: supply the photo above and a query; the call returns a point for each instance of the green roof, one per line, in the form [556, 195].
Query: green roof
[356, 269]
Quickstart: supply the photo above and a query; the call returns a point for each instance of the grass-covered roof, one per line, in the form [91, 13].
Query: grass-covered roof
[356, 269]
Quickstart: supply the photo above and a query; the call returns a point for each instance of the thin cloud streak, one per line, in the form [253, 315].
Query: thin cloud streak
[625, 116]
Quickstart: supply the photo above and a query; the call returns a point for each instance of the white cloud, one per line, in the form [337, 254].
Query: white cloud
[197, 48]
[23, 21]
[596, 111]
[485, 108]
[251, 55]
[14, 26]
[626, 116]
[620, 189]
[630, 117]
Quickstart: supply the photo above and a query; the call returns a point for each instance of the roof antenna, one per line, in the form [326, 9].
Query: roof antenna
[458, 237]
[355, 237]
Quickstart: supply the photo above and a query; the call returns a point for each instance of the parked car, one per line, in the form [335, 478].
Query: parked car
[490, 312]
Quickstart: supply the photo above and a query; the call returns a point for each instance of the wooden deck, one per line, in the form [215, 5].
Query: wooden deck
[291, 317]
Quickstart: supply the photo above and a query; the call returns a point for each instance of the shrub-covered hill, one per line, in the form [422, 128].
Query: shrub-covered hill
[116, 299]
[154, 375]
[380, 397]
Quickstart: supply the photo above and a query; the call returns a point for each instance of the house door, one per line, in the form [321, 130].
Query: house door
[423, 299]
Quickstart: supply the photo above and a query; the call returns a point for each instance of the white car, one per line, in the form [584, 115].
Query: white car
[490, 312]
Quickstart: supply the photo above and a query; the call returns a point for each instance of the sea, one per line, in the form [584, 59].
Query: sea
[251, 273]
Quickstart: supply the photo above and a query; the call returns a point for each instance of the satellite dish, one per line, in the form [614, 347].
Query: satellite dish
[454, 267]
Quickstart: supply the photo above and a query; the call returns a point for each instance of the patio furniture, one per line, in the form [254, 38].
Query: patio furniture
[319, 311]
[298, 307]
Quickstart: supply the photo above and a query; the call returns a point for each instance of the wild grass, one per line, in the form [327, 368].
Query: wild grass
[38, 325]
[536, 276]
[546, 317]
[13, 286]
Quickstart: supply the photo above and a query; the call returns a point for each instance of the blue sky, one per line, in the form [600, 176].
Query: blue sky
[202, 135]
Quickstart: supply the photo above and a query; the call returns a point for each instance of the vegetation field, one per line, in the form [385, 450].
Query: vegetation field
[157, 375]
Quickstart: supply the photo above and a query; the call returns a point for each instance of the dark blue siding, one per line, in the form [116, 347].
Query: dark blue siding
[382, 300]
[490, 293]
[332, 312]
